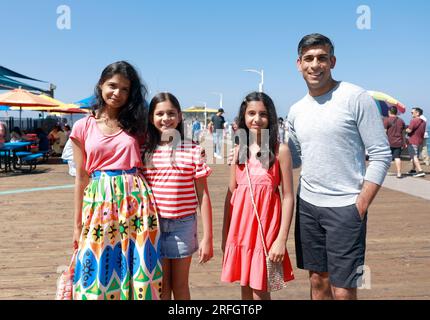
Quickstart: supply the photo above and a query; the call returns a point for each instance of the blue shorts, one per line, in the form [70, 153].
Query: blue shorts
[178, 237]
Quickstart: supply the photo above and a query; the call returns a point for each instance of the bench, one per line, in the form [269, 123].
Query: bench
[18, 156]
[5, 159]
[31, 160]
[45, 153]
[21, 154]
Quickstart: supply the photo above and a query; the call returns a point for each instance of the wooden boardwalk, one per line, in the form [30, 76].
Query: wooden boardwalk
[36, 231]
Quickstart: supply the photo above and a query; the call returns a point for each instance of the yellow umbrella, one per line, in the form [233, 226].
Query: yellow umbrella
[61, 104]
[62, 111]
[23, 99]
[200, 109]
[58, 104]
[59, 111]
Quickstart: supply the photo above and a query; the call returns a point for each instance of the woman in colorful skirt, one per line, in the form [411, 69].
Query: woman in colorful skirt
[116, 231]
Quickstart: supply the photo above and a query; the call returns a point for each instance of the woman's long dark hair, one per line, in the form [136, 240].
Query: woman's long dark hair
[153, 137]
[273, 128]
[133, 115]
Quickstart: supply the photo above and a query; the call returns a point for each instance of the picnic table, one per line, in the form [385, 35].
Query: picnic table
[13, 153]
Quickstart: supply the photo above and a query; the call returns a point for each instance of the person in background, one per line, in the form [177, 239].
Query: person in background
[210, 127]
[196, 129]
[58, 139]
[286, 132]
[43, 140]
[234, 127]
[67, 131]
[395, 127]
[424, 152]
[218, 123]
[16, 135]
[281, 129]
[416, 130]
[3, 133]
[210, 136]
[63, 123]
[67, 156]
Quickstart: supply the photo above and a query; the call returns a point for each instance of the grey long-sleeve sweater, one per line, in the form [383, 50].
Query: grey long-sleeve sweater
[331, 133]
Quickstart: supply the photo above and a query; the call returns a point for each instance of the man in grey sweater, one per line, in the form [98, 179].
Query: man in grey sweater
[331, 127]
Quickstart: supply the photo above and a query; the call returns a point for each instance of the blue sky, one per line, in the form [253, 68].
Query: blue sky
[194, 47]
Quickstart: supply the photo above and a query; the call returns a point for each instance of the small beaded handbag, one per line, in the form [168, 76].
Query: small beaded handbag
[65, 282]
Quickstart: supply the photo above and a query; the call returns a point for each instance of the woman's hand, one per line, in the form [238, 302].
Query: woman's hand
[277, 251]
[77, 231]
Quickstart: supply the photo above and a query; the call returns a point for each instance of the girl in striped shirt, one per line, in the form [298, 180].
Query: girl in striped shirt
[176, 173]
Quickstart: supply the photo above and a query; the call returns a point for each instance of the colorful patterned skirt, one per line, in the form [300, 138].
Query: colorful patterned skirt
[119, 253]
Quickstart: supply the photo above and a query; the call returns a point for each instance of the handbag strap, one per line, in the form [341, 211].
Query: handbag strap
[260, 228]
[75, 252]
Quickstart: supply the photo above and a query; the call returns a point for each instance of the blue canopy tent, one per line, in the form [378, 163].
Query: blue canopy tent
[86, 103]
[10, 73]
[7, 84]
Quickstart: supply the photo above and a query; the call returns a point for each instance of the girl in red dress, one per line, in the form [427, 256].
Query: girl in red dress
[269, 165]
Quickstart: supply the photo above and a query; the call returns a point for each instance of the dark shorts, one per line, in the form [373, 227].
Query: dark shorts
[331, 240]
[395, 152]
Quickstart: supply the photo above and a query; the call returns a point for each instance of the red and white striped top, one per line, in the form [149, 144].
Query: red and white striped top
[171, 177]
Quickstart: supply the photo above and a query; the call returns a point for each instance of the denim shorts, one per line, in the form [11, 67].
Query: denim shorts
[178, 237]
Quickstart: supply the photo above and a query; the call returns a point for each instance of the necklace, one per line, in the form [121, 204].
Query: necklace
[107, 122]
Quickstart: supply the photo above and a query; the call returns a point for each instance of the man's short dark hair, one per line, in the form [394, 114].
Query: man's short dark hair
[312, 40]
[419, 110]
[393, 110]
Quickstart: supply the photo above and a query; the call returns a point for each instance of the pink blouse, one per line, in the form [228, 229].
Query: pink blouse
[119, 151]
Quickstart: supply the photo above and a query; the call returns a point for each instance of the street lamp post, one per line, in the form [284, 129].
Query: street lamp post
[220, 98]
[261, 73]
[52, 88]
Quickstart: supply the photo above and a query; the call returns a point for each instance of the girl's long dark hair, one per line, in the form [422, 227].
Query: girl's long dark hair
[273, 128]
[133, 115]
[153, 136]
